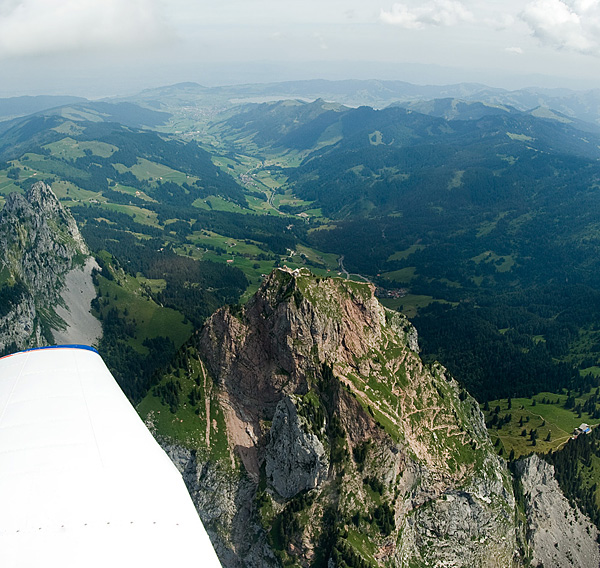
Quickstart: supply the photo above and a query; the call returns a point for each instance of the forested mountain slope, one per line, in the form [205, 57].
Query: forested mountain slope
[488, 222]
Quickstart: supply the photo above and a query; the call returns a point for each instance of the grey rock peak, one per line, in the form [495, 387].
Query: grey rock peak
[295, 459]
[328, 407]
[559, 534]
[41, 212]
[41, 244]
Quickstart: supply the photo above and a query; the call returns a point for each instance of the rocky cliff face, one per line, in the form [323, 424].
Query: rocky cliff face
[313, 402]
[40, 245]
[295, 459]
[559, 534]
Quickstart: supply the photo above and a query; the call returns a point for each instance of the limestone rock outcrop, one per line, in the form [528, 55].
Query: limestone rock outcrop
[295, 459]
[559, 534]
[346, 445]
[40, 245]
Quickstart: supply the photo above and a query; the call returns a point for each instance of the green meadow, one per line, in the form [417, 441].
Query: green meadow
[545, 413]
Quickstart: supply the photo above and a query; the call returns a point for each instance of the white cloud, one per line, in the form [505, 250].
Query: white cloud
[36, 27]
[566, 25]
[432, 13]
[515, 50]
[572, 25]
[321, 41]
[498, 21]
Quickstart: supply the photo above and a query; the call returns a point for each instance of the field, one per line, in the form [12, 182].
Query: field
[70, 194]
[70, 148]
[502, 263]
[148, 319]
[410, 304]
[403, 276]
[192, 416]
[544, 413]
[404, 254]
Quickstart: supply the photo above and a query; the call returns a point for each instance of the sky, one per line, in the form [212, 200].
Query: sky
[97, 48]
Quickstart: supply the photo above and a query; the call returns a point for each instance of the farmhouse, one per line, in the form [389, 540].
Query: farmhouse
[583, 429]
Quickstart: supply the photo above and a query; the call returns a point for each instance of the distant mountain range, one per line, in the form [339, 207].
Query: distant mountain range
[568, 105]
[21, 106]
[582, 105]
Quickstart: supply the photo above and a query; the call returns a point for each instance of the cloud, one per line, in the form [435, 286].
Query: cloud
[499, 21]
[431, 13]
[321, 41]
[515, 50]
[568, 25]
[36, 27]
[572, 25]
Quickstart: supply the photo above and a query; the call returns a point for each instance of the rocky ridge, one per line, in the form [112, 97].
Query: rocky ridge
[313, 402]
[41, 245]
[559, 534]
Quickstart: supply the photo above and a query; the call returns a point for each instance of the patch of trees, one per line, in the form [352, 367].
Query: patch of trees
[168, 393]
[345, 556]
[195, 396]
[188, 158]
[494, 420]
[287, 523]
[337, 438]
[489, 364]
[196, 288]
[312, 410]
[574, 468]
[359, 453]
[131, 369]
[375, 484]
[384, 518]
[272, 231]
[28, 135]
[10, 296]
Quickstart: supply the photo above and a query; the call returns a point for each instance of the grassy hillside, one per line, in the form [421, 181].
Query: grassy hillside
[549, 415]
[467, 225]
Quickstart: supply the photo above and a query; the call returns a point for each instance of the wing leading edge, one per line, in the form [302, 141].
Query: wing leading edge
[82, 480]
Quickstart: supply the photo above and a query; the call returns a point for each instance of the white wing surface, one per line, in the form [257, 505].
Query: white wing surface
[82, 481]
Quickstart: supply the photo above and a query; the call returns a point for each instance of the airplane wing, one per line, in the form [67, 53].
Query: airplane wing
[82, 480]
